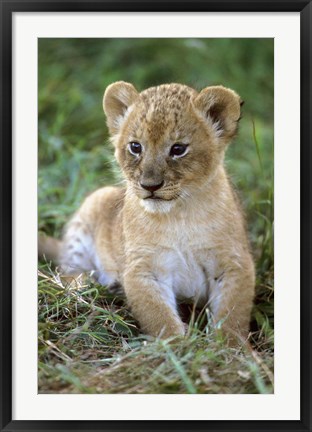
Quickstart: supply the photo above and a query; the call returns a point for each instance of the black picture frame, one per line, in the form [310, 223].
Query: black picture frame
[8, 7]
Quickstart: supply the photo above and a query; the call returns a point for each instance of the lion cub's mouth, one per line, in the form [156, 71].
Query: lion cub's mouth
[155, 197]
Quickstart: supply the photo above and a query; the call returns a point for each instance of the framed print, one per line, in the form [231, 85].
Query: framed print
[141, 288]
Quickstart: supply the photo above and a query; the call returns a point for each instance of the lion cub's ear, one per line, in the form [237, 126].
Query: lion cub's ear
[220, 107]
[118, 97]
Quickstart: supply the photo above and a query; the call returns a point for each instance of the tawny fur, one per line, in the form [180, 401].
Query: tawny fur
[191, 241]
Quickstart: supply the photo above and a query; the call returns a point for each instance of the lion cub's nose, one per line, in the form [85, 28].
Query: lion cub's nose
[152, 187]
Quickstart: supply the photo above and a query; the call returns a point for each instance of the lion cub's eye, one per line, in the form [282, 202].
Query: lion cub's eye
[178, 150]
[135, 148]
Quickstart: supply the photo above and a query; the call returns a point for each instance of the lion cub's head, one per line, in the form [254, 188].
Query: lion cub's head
[169, 139]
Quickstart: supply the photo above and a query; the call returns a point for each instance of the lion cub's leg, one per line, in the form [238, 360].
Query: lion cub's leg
[231, 299]
[78, 254]
[153, 303]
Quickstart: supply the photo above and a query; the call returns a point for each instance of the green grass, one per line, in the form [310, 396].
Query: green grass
[89, 343]
[88, 340]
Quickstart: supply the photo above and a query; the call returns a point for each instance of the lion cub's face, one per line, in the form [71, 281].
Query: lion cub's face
[169, 139]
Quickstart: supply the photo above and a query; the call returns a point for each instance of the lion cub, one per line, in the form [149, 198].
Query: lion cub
[176, 231]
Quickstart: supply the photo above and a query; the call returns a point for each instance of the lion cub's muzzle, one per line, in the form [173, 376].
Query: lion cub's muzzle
[152, 190]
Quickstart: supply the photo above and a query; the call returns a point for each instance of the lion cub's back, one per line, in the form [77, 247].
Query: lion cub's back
[102, 206]
[102, 210]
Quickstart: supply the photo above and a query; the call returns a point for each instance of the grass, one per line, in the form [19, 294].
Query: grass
[89, 343]
[88, 339]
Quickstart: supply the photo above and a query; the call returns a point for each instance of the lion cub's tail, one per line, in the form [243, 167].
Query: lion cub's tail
[49, 248]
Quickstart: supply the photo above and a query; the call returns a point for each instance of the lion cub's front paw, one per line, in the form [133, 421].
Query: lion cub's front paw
[164, 330]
